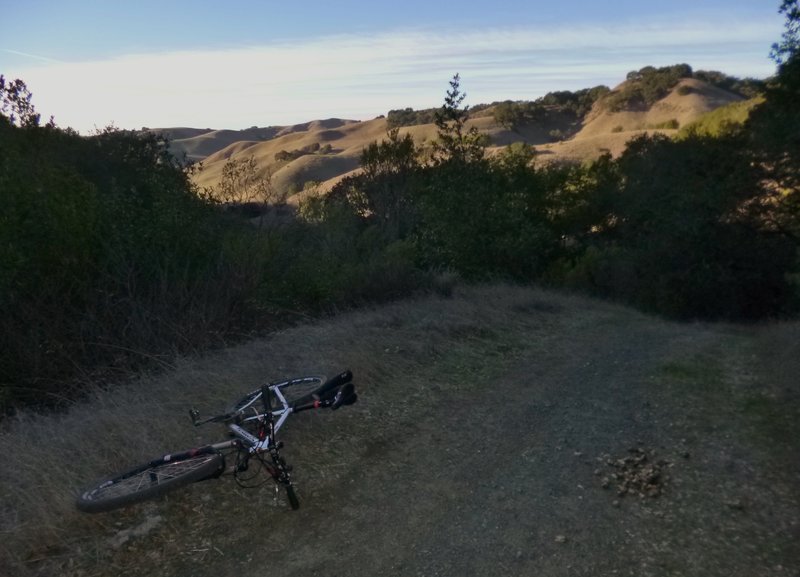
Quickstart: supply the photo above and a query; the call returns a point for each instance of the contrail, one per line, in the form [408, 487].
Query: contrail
[26, 55]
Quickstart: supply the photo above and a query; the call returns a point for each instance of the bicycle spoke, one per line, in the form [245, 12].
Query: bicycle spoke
[151, 477]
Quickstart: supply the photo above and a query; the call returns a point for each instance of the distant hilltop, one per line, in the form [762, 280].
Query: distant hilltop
[562, 126]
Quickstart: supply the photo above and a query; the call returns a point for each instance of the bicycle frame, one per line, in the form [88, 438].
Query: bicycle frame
[244, 439]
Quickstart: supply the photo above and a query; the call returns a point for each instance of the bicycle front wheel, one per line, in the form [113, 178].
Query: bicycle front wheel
[299, 388]
[291, 389]
[151, 480]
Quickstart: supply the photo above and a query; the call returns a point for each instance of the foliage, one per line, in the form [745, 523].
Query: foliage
[578, 103]
[571, 105]
[410, 117]
[15, 104]
[456, 143]
[289, 155]
[774, 126]
[687, 229]
[380, 193]
[746, 87]
[671, 124]
[243, 182]
[722, 120]
[109, 256]
[646, 86]
[789, 46]
[688, 233]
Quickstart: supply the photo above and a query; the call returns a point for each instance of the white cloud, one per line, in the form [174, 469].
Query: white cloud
[360, 76]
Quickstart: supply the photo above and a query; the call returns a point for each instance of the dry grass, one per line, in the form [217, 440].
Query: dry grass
[49, 457]
[407, 355]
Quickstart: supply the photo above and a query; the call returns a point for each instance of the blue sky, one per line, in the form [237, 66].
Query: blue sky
[239, 64]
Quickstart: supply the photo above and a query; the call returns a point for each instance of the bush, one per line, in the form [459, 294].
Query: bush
[108, 258]
[409, 117]
[646, 86]
[689, 234]
[671, 124]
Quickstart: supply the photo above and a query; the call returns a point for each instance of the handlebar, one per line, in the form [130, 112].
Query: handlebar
[339, 397]
[334, 393]
[337, 381]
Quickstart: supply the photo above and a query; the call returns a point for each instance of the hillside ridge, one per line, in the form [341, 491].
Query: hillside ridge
[322, 151]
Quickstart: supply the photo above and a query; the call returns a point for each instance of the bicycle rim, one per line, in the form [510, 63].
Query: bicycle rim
[300, 388]
[149, 481]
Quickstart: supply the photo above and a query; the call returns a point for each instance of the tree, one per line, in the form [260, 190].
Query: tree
[788, 48]
[774, 127]
[689, 231]
[509, 115]
[242, 182]
[455, 142]
[381, 193]
[16, 106]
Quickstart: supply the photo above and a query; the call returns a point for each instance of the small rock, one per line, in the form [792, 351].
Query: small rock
[561, 539]
[126, 535]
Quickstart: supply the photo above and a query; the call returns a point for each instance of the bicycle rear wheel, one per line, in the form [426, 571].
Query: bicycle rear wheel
[151, 480]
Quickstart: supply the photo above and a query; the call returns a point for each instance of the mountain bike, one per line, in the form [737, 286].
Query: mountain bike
[252, 423]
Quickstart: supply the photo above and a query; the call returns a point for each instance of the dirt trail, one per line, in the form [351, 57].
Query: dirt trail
[501, 476]
[489, 456]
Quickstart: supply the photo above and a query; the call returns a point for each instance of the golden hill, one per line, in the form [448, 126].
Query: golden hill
[323, 151]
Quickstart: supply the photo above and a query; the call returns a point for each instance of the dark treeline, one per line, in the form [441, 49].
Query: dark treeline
[699, 227]
[111, 260]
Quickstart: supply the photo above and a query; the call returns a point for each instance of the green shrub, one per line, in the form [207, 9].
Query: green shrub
[721, 120]
[108, 259]
[688, 234]
[646, 86]
[671, 124]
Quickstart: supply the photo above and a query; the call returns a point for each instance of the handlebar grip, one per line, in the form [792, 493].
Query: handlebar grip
[337, 381]
[346, 395]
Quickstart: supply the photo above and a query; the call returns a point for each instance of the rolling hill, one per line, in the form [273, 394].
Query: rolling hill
[323, 151]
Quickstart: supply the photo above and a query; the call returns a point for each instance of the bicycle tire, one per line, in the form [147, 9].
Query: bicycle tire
[291, 389]
[150, 480]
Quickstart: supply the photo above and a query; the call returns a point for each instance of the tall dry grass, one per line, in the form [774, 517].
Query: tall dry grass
[394, 351]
